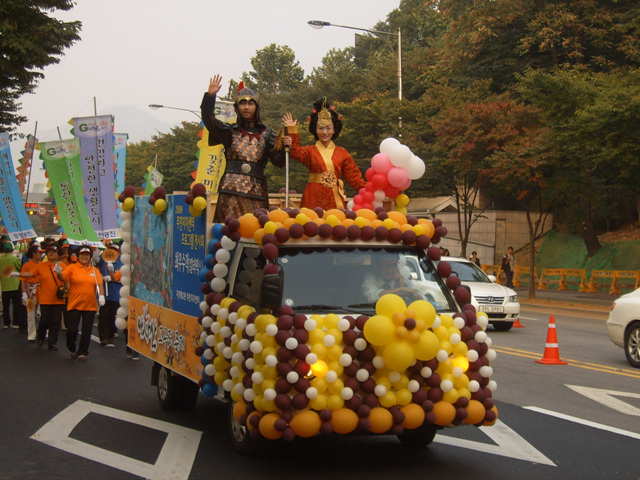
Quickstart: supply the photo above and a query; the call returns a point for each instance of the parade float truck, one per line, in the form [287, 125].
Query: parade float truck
[268, 313]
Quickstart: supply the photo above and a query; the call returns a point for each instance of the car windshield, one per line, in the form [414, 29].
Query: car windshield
[468, 272]
[351, 280]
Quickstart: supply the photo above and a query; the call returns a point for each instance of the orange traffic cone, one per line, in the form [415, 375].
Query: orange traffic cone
[517, 324]
[551, 352]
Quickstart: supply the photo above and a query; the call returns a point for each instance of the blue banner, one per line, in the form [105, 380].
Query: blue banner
[167, 253]
[14, 216]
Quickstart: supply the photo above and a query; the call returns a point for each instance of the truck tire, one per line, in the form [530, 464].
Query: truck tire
[189, 396]
[242, 440]
[169, 392]
[420, 437]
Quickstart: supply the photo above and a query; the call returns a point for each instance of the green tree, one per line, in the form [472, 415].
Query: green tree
[176, 153]
[30, 39]
[275, 70]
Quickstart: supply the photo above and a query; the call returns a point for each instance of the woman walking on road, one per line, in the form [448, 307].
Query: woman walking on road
[86, 294]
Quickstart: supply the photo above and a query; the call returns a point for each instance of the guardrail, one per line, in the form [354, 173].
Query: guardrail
[562, 278]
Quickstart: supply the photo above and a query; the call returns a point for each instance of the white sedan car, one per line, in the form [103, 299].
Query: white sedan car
[623, 326]
[499, 303]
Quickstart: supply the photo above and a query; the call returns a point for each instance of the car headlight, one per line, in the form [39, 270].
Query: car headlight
[513, 298]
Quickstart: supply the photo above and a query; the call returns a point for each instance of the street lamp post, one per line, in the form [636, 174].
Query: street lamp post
[155, 106]
[321, 24]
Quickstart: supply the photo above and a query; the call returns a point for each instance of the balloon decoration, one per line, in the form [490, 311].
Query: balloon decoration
[197, 199]
[125, 257]
[157, 201]
[126, 198]
[391, 172]
[291, 374]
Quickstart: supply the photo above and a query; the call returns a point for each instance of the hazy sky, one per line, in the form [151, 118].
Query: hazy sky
[137, 52]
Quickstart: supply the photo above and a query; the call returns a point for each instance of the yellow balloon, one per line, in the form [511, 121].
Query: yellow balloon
[199, 203]
[427, 347]
[402, 200]
[335, 402]
[301, 218]
[155, 211]
[398, 355]
[270, 227]
[194, 212]
[424, 311]
[401, 210]
[128, 204]
[389, 304]
[388, 400]
[333, 220]
[318, 403]
[160, 205]
[379, 329]
[404, 397]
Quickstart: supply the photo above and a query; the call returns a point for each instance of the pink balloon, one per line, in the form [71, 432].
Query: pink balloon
[381, 163]
[371, 187]
[358, 200]
[368, 197]
[397, 177]
[406, 185]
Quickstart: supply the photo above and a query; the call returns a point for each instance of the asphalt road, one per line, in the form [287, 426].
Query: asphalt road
[63, 419]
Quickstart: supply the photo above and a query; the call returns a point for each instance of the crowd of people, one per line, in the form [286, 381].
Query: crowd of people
[54, 287]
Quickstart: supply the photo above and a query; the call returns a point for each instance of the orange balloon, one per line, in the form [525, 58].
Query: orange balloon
[257, 236]
[344, 421]
[334, 211]
[444, 412]
[278, 215]
[288, 222]
[381, 420]
[306, 423]
[397, 217]
[475, 412]
[311, 215]
[267, 426]
[347, 222]
[429, 229]
[413, 416]
[239, 409]
[368, 214]
[249, 224]
[494, 409]
[376, 223]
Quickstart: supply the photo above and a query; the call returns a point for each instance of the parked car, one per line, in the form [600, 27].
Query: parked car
[498, 302]
[623, 326]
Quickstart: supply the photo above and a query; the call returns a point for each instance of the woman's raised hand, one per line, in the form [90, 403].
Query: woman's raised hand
[215, 84]
[288, 120]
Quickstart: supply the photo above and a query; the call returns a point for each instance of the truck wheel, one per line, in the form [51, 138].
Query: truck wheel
[189, 394]
[169, 394]
[502, 326]
[242, 440]
[420, 437]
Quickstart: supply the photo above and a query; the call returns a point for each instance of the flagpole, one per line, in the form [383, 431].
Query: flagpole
[26, 199]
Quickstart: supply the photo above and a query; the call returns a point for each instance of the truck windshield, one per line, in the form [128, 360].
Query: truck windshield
[352, 280]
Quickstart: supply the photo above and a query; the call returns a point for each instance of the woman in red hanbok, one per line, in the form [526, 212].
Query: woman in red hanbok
[328, 164]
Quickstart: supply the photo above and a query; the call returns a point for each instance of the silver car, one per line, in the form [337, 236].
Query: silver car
[499, 303]
[623, 326]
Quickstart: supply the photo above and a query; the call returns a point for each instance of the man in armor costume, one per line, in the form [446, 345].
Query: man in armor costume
[328, 164]
[248, 145]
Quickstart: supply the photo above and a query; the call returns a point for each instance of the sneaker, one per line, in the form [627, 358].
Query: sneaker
[82, 358]
[6, 327]
[73, 355]
[110, 344]
[129, 352]
[39, 342]
[53, 347]
[135, 356]
[15, 326]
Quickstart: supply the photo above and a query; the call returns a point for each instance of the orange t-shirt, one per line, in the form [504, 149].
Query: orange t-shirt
[49, 282]
[83, 281]
[31, 266]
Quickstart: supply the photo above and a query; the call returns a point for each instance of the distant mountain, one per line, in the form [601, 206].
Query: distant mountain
[138, 123]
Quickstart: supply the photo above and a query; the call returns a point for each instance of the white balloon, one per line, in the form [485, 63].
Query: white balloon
[125, 248]
[400, 156]
[126, 225]
[220, 270]
[218, 284]
[379, 195]
[227, 243]
[387, 145]
[350, 204]
[121, 323]
[222, 255]
[415, 169]
[125, 270]
[125, 215]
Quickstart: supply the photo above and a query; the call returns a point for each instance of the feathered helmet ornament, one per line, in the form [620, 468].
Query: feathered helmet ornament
[245, 93]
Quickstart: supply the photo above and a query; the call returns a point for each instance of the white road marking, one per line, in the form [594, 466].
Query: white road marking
[529, 319]
[509, 444]
[587, 423]
[608, 398]
[174, 461]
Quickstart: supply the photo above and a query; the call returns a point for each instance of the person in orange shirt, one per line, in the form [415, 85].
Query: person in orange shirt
[51, 307]
[86, 294]
[30, 290]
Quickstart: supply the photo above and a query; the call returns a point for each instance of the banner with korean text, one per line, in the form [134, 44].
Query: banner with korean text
[211, 163]
[96, 154]
[120, 162]
[14, 216]
[154, 179]
[61, 159]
